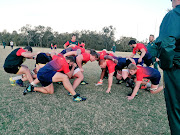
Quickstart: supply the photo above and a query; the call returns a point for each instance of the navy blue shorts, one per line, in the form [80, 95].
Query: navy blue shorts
[156, 79]
[45, 76]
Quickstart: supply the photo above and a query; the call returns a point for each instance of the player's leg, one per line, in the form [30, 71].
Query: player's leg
[155, 89]
[155, 83]
[60, 77]
[100, 82]
[46, 90]
[24, 70]
[79, 77]
[67, 85]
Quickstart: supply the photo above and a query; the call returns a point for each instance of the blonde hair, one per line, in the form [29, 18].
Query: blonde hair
[132, 66]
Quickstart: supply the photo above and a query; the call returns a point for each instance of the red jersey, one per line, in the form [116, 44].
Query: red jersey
[20, 51]
[146, 72]
[81, 45]
[70, 42]
[138, 47]
[111, 66]
[86, 57]
[102, 54]
[59, 64]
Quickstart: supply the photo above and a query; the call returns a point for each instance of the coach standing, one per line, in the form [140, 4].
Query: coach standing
[169, 48]
[153, 50]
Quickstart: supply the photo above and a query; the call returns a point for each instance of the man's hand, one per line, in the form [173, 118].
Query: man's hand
[139, 60]
[157, 59]
[130, 97]
[108, 90]
[115, 61]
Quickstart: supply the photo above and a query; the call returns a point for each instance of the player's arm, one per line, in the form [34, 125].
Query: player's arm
[79, 60]
[143, 52]
[110, 80]
[28, 55]
[66, 44]
[132, 60]
[70, 74]
[132, 55]
[73, 45]
[110, 58]
[136, 88]
[70, 53]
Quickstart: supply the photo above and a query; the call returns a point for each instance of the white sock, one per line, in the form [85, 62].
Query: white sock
[100, 80]
[17, 77]
[33, 84]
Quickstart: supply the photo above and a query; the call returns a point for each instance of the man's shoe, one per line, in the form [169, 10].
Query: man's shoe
[69, 94]
[12, 82]
[29, 88]
[143, 87]
[20, 83]
[77, 98]
[99, 83]
[119, 81]
[83, 83]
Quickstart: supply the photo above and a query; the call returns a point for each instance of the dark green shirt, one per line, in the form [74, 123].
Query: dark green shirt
[114, 48]
[168, 40]
[152, 49]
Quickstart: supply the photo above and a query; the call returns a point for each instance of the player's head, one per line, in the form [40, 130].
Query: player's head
[175, 3]
[73, 38]
[132, 69]
[132, 43]
[94, 56]
[28, 49]
[70, 60]
[82, 44]
[151, 38]
[102, 64]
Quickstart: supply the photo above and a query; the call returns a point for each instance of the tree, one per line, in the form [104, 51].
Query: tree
[122, 44]
[27, 31]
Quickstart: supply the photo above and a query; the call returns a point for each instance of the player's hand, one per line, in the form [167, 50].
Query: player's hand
[115, 61]
[157, 59]
[139, 60]
[130, 97]
[81, 69]
[108, 90]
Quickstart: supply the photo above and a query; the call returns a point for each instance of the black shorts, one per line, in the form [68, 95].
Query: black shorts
[42, 58]
[13, 70]
[148, 62]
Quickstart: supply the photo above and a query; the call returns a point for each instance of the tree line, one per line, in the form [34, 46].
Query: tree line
[40, 36]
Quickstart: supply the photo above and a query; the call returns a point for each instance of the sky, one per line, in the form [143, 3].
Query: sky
[131, 18]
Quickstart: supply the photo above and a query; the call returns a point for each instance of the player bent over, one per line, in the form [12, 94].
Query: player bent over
[142, 51]
[13, 63]
[48, 74]
[145, 72]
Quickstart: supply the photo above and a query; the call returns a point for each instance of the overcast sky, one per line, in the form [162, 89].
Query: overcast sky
[135, 18]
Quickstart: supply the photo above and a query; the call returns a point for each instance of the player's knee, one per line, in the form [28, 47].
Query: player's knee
[81, 77]
[65, 78]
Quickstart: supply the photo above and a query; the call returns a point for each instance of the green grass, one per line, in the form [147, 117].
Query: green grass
[101, 114]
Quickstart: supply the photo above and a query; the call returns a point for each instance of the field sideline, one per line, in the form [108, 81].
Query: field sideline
[101, 114]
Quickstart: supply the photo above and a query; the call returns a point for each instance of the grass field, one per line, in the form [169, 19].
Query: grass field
[101, 114]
